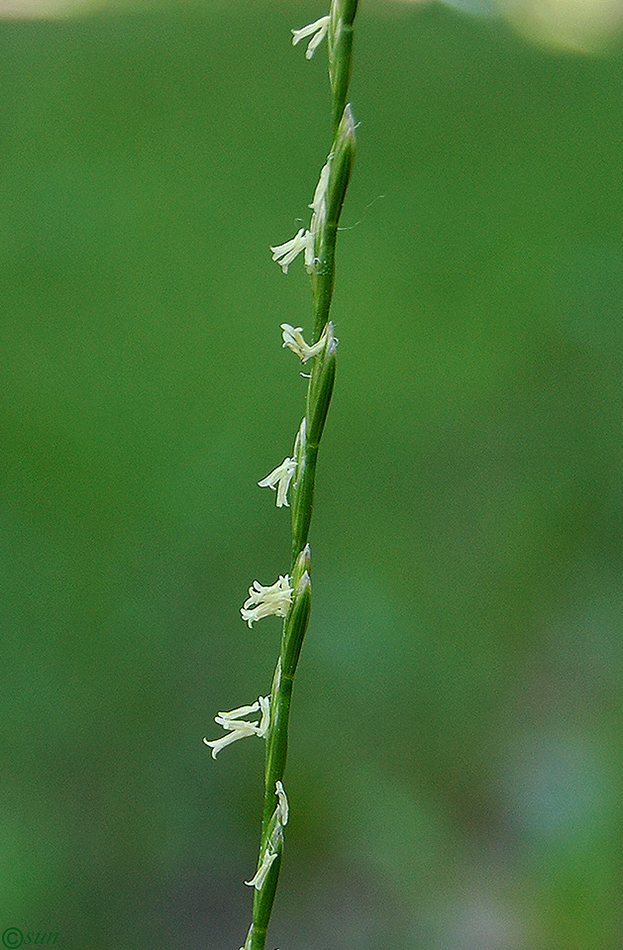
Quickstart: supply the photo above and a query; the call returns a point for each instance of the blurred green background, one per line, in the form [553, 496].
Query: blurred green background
[455, 761]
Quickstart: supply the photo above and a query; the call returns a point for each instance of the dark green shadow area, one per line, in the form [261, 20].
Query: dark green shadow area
[455, 763]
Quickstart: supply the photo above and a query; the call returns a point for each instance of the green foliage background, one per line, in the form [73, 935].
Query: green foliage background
[455, 766]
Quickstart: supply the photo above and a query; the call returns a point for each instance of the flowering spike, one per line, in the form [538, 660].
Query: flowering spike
[264, 601]
[282, 807]
[317, 30]
[319, 202]
[320, 193]
[299, 443]
[285, 253]
[239, 728]
[293, 339]
[274, 842]
[280, 479]
[290, 595]
[304, 240]
[264, 725]
[247, 943]
[258, 879]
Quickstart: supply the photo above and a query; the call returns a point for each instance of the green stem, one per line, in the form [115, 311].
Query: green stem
[319, 392]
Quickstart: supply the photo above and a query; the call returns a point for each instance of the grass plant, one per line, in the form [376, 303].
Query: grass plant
[290, 596]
